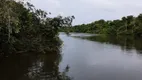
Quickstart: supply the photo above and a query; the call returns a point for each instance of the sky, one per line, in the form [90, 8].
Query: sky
[87, 11]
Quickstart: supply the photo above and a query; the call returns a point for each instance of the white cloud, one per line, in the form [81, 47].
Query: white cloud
[89, 10]
[48, 5]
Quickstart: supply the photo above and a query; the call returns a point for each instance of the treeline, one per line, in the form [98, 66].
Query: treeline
[24, 28]
[129, 25]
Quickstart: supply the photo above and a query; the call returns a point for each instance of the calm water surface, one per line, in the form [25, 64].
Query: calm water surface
[83, 57]
[102, 58]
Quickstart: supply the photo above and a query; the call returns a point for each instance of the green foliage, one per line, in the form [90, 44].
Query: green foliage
[129, 25]
[24, 28]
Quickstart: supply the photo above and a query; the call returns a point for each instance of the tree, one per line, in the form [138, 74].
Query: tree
[24, 28]
[128, 25]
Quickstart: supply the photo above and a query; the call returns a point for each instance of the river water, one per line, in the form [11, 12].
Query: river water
[82, 57]
[102, 58]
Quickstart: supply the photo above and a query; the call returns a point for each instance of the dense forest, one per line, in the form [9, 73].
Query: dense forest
[29, 42]
[24, 28]
[129, 25]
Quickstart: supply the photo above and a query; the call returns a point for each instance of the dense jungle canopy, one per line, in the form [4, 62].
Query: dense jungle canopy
[128, 25]
[24, 28]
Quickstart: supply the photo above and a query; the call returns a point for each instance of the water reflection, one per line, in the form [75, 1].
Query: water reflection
[32, 67]
[126, 42]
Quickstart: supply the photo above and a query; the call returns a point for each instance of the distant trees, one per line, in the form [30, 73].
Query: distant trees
[128, 25]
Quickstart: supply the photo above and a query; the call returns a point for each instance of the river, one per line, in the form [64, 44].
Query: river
[82, 57]
[96, 58]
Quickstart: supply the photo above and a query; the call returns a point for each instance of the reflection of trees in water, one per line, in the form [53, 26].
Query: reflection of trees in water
[127, 43]
[46, 68]
[32, 67]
